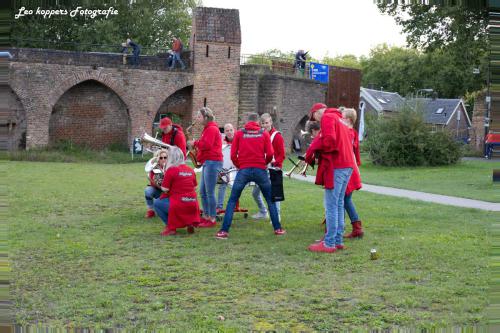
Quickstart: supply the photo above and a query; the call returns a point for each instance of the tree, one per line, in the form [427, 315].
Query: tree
[151, 23]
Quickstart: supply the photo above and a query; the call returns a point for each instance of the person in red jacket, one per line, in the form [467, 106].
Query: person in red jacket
[279, 156]
[333, 148]
[172, 134]
[251, 151]
[209, 148]
[349, 117]
[155, 176]
[178, 204]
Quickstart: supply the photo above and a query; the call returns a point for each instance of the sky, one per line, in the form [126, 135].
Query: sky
[322, 27]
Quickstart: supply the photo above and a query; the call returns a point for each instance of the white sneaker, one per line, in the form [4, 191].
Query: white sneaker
[260, 216]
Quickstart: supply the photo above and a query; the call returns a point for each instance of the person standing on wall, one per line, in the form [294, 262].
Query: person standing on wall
[279, 156]
[209, 148]
[136, 50]
[172, 134]
[177, 48]
[251, 151]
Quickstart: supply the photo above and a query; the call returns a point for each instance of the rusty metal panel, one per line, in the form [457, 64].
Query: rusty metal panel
[343, 87]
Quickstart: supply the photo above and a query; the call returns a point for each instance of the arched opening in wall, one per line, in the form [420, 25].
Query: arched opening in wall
[177, 107]
[300, 143]
[12, 120]
[90, 114]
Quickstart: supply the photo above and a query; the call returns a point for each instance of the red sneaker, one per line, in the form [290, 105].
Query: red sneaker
[320, 247]
[150, 214]
[204, 223]
[340, 247]
[220, 211]
[168, 232]
[279, 232]
[190, 229]
[221, 234]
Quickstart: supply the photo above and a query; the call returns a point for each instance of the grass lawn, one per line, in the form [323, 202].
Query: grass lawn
[82, 255]
[467, 179]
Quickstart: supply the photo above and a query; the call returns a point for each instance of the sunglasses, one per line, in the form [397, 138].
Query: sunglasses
[163, 157]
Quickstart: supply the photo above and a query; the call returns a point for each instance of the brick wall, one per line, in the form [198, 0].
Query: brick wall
[90, 114]
[40, 86]
[477, 132]
[12, 120]
[287, 99]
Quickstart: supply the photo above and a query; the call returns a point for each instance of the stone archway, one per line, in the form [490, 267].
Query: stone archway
[12, 120]
[90, 114]
[297, 137]
[177, 106]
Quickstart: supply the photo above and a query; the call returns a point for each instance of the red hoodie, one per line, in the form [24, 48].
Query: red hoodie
[278, 147]
[252, 147]
[210, 144]
[333, 147]
[355, 180]
[179, 138]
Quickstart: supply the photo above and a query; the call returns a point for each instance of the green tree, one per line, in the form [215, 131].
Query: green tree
[151, 23]
[347, 60]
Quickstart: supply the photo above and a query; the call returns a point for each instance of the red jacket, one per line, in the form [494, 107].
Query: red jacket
[278, 147]
[184, 209]
[355, 180]
[210, 144]
[179, 138]
[252, 147]
[334, 149]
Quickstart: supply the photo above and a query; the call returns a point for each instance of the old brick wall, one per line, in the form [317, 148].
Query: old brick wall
[216, 41]
[40, 86]
[287, 99]
[90, 114]
[478, 132]
[12, 120]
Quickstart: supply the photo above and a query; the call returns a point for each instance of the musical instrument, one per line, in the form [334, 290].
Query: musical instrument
[155, 142]
[301, 165]
[192, 151]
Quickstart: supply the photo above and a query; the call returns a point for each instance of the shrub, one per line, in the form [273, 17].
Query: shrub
[404, 139]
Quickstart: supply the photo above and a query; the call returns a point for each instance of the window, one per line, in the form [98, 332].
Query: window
[205, 101]
[229, 52]
[439, 111]
[206, 54]
[381, 100]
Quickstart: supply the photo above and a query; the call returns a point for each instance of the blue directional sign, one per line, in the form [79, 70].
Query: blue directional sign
[318, 72]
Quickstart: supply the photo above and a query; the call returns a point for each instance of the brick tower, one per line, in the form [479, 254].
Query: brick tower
[216, 44]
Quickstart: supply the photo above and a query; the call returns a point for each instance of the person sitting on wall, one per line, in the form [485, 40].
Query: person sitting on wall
[172, 134]
[178, 204]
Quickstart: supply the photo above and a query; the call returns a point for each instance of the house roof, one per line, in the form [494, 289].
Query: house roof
[382, 100]
[439, 110]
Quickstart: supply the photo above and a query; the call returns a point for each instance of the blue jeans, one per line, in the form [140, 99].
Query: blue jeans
[245, 176]
[260, 203]
[334, 207]
[151, 193]
[135, 56]
[220, 196]
[161, 208]
[208, 181]
[350, 208]
[177, 57]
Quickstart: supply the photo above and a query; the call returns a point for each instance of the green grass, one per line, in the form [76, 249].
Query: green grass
[83, 255]
[467, 179]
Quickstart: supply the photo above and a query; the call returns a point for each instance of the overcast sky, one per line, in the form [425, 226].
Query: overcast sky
[322, 27]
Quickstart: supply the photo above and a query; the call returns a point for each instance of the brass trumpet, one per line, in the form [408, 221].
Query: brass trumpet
[301, 165]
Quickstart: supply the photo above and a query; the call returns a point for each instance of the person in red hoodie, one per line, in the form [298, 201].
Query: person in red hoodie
[333, 148]
[251, 151]
[349, 117]
[172, 134]
[209, 148]
[279, 156]
[178, 205]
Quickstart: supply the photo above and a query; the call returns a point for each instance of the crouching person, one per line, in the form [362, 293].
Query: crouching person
[178, 205]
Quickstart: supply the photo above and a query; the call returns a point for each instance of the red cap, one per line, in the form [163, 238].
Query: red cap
[165, 122]
[315, 108]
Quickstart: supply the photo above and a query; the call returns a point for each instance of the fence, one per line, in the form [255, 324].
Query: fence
[283, 66]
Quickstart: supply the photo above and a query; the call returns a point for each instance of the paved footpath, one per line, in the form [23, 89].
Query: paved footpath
[422, 196]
